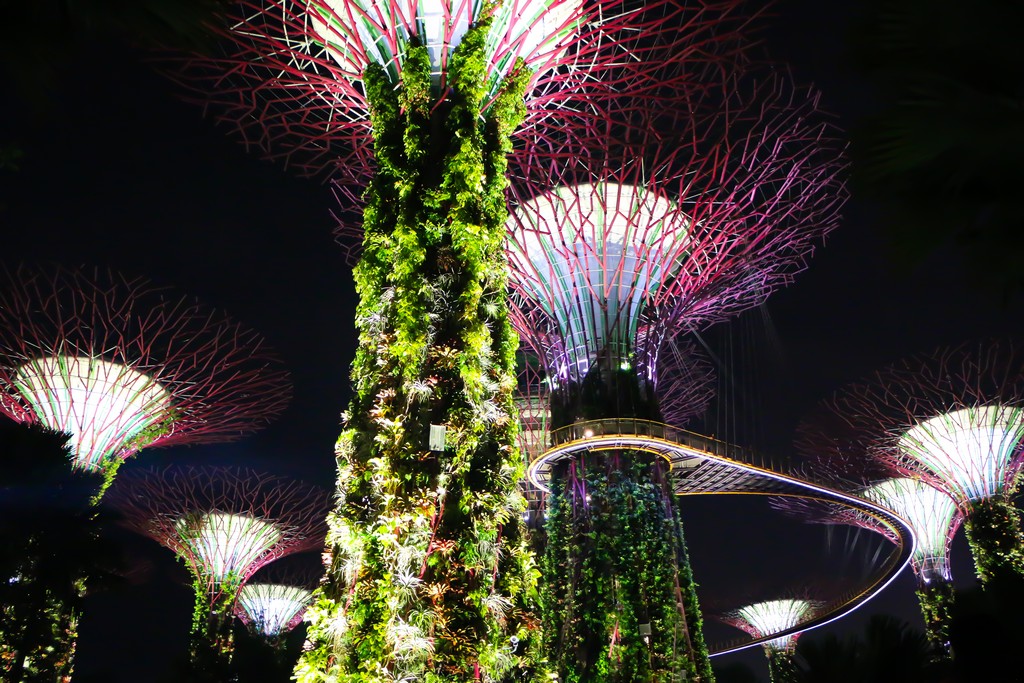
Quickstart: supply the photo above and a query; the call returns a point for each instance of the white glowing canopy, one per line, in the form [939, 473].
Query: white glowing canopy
[971, 450]
[104, 406]
[590, 256]
[360, 31]
[272, 608]
[932, 515]
[224, 547]
[773, 616]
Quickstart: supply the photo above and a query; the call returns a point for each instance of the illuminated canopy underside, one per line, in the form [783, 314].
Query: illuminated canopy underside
[271, 608]
[972, 450]
[357, 32]
[104, 406]
[773, 616]
[223, 547]
[590, 256]
[931, 514]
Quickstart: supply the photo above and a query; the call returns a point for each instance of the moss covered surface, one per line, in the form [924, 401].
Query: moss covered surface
[430, 579]
[936, 601]
[615, 574]
[997, 544]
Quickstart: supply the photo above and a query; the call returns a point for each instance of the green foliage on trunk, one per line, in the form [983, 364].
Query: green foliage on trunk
[782, 666]
[616, 568]
[430, 578]
[49, 532]
[994, 534]
[211, 641]
[936, 601]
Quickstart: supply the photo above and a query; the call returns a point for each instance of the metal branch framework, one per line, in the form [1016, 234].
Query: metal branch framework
[954, 418]
[291, 80]
[685, 382]
[773, 616]
[697, 215]
[224, 523]
[123, 365]
[270, 609]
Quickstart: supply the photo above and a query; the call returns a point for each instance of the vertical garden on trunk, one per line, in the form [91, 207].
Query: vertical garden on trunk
[429, 574]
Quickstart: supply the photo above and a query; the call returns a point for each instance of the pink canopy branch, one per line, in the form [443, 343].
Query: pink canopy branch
[626, 234]
[953, 418]
[291, 76]
[685, 382]
[121, 364]
[224, 523]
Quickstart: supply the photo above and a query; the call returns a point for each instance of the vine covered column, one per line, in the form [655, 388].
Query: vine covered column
[428, 573]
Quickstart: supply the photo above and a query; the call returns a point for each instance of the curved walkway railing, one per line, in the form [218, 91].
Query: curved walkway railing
[703, 465]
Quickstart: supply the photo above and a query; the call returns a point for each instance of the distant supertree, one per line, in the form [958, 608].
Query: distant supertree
[953, 419]
[122, 365]
[224, 524]
[841, 455]
[436, 92]
[272, 609]
[773, 616]
[618, 243]
[935, 519]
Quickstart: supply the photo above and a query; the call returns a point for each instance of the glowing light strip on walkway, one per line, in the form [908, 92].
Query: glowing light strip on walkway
[908, 540]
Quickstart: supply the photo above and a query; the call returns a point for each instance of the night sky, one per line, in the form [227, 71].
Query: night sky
[118, 172]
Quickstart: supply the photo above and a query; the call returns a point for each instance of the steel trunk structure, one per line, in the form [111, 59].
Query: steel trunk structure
[224, 524]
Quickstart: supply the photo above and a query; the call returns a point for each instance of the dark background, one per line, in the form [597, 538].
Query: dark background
[118, 172]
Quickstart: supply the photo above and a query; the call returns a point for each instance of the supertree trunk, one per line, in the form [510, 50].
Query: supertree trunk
[782, 666]
[426, 578]
[936, 601]
[211, 641]
[616, 570]
[994, 534]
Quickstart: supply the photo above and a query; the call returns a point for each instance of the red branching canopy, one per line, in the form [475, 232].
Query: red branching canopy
[953, 418]
[681, 217]
[290, 79]
[272, 517]
[221, 378]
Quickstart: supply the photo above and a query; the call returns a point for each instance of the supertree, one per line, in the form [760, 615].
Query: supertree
[427, 465]
[774, 616]
[617, 242]
[224, 524]
[839, 454]
[935, 519]
[122, 365]
[953, 419]
[270, 606]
